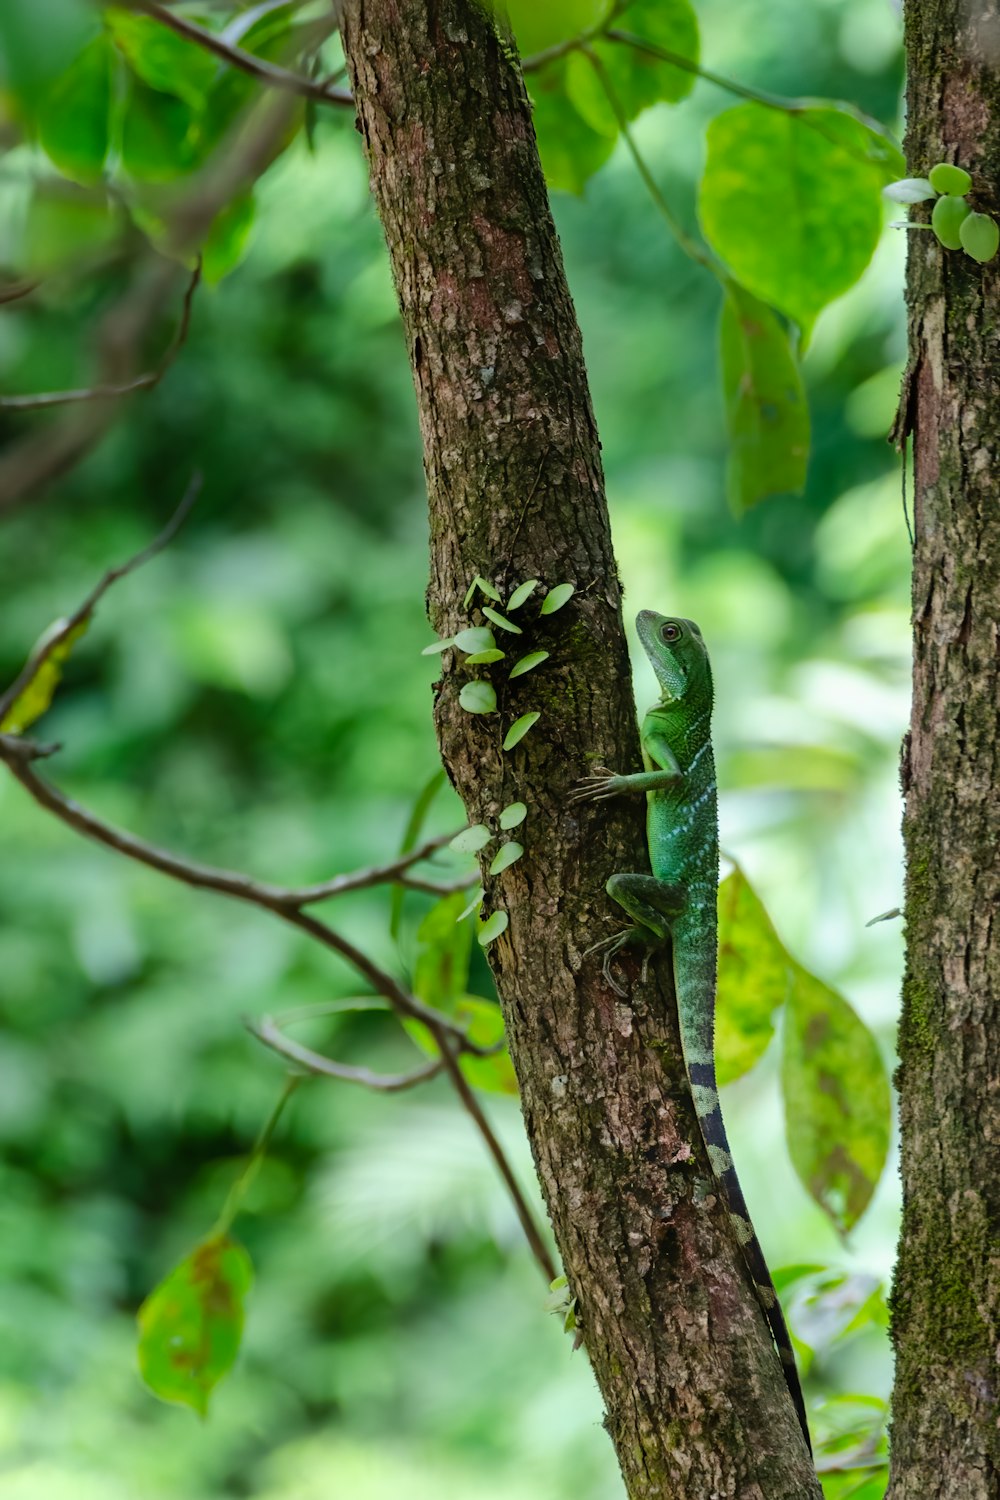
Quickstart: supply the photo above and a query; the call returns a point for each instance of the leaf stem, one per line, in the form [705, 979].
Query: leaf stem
[245, 1180]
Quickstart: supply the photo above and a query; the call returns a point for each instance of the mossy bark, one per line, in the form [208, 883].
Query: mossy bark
[695, 1402]
[946, 1298]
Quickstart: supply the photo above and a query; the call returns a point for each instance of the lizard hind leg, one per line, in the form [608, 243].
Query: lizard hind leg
[651, 904]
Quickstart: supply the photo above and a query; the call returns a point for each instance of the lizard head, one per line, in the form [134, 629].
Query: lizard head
[678, 654]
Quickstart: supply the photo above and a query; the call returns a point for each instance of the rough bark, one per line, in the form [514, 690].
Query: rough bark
[946, 1300]
[695, 1402]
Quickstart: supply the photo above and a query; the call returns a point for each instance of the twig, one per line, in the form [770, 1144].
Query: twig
[267, 1030]
[358, 880]
[450, 1039]
[15, 290]
[18, 754]
[53, 639]
[103, 392]
[690, 246]
[258, 67]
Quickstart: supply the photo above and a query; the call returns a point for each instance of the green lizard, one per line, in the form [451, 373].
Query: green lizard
[679, 901]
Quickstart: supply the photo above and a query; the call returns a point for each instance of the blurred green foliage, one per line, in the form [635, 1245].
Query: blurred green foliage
[257, 698]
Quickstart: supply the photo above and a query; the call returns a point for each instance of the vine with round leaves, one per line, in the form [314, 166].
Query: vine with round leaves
[478, 696]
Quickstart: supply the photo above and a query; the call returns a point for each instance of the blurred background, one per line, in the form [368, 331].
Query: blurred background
[257, 698]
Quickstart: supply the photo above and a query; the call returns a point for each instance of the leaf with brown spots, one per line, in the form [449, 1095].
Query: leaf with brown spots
[190, 1326]
[837, 1110]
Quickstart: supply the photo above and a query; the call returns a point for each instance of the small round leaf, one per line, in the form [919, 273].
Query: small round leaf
[478, 697]
[528, 663]
[475, 903]
[470, 840]
[945, 178]
[437, 646]
[980, 237]
[507, 855]
[484, 658]
[513, 815]
[519, 729]
[947, 219]
[557, 597]
[492, 928]
[475, 638]
[522, 592]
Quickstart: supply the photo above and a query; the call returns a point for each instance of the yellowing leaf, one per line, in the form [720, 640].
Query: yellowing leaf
[36, 696]
[190, 1326]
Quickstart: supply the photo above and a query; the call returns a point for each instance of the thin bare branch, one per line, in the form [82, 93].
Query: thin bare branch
[53, 639]
[257, 67]
[359, 880]
[47, 399]
[15, 290]
[267, 1030]
[18, 754]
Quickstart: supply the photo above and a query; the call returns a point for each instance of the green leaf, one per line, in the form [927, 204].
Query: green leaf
[39, 40]
[637, 78]
[519, 729]
[754, 978]
[73, 116]
[836, 1092]
[513, 815]
[161, 58]
[908, 190]
[475, 903]
[190, 1326]
[522, 592]
[228, 239]
[66, 225]
[507, 855]
[476, 638]
[767, 416]
[501, 620]
[945, 178]
[485, 587]
[437, 646]
[537, 26]
[980, 237]
[492, 928]
[158, 142]
[791, 202]
[557, 597]
[471, 840]
[483, 1022]
[36, 696]
[478, 697]
[418, 814]
[528, 663]
[444, 943]
[484, 658]
[571, 151]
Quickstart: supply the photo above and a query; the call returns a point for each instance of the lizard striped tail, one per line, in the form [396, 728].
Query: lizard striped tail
[698, 1043]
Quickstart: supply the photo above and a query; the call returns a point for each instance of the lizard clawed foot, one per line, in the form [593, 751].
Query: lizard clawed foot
[596, 787]
[613, 945]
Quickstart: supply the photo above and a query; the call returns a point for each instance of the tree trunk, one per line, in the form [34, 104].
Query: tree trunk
[946, 1299]
[695, 1399]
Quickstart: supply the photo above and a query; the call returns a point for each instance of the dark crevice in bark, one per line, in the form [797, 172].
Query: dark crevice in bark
[696, 1405]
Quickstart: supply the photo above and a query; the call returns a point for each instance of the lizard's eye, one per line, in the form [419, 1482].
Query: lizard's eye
[670, 632]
